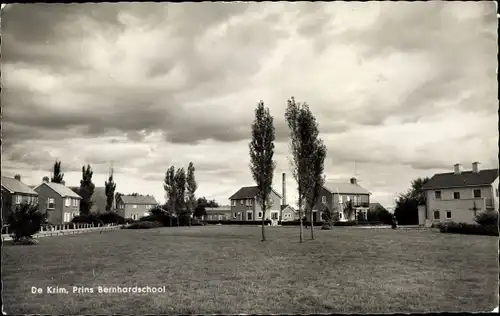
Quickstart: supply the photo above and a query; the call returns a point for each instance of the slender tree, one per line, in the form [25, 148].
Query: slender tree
[110, 187]
[86, 190]
[262, 164]
[308, 154]
[170, 192]
[191, 188]
[57, 175]
[180, 190]
[318, 155]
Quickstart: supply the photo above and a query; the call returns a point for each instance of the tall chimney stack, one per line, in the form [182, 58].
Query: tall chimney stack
[457, 168]
[475, 167]
[284, 189]
[17, 177]
[353, 181]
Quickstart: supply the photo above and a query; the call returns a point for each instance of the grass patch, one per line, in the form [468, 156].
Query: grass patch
[228, 270]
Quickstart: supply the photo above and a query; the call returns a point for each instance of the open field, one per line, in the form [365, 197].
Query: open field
[222, 269]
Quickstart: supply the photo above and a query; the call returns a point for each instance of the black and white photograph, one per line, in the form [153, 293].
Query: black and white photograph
[249, 158]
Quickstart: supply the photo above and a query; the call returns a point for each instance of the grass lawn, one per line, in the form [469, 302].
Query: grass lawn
[226, 269]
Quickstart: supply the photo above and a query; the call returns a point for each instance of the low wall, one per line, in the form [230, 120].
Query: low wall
[68, 229]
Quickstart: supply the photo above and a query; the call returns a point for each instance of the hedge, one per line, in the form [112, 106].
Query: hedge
[226, 222]
[347, 223]
[469, 229]
[144, 225]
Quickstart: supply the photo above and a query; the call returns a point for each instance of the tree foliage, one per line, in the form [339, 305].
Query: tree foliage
[86, 190]
[406, 210]
[180, 189]
[262, 164]
[191, 187]
[109, 187]
[170, 189]
[308, 154]
[57, 176]
[25, 221]
[45, 179]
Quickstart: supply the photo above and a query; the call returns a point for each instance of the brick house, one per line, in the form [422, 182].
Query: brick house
[338, 195]
[15, 192]
[135, 206]
[246, 207]
[59, 202]
[460, 195]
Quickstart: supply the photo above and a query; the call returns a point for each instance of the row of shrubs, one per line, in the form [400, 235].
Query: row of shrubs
[487, 224]
[227, 222]
[347, 223]
[102, 218]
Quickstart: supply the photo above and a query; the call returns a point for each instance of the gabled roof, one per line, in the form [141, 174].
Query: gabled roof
[345, 188]
[248, 193]
[288, 206]
[138, 199]
[464, 179]
[60, 189]
[15, 186]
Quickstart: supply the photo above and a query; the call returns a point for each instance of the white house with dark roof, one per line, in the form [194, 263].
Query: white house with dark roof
[135, 206]
[15, 192]
[59, 202]
[460, 195]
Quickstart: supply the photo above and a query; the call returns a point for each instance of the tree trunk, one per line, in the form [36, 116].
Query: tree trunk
[263, 220]
[300, 216]
[312, 224]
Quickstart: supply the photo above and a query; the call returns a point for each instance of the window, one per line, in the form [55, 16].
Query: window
[340, 215]
[456, 195]
[249, 216]
[247, 202]
[234, 215]
[67, 202]
[477, 193]
[437, 195]
[340, 198]
[436, 214]
[251, 202]
[242, 202]
[75, 203]
[348, 198]
[274, 215]
[448, 214]
[233, 202]
[259, 215]
[134, 205]
[67, 217]
[134, 216]
[323, 199]
[18, 199]
[75, 214]
[51, 204]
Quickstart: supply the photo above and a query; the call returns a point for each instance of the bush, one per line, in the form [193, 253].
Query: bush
[88, 219]
[24, 222]
[489, 218]
[162, 218]
[469, 229]
[144, 225]
[111, 218]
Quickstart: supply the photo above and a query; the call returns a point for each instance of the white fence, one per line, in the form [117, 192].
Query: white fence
[66, 229]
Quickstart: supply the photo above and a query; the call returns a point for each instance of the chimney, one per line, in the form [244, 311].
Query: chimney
[353, 181]
[457, 168]
[17, 177]
[63, 182]
[475, 167]
[284, 189]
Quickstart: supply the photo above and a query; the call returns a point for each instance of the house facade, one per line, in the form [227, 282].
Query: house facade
[246, 207]
[14, 193]
[134, 206]
[337, 196]
[221, 213]
[59, 202]
[289, 214]
[459, 196]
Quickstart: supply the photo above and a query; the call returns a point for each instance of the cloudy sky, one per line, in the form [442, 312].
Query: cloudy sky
[402, 89]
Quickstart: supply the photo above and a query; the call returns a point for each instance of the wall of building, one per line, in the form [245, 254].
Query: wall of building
[460, 208]
[55, 216]
[255, 209]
